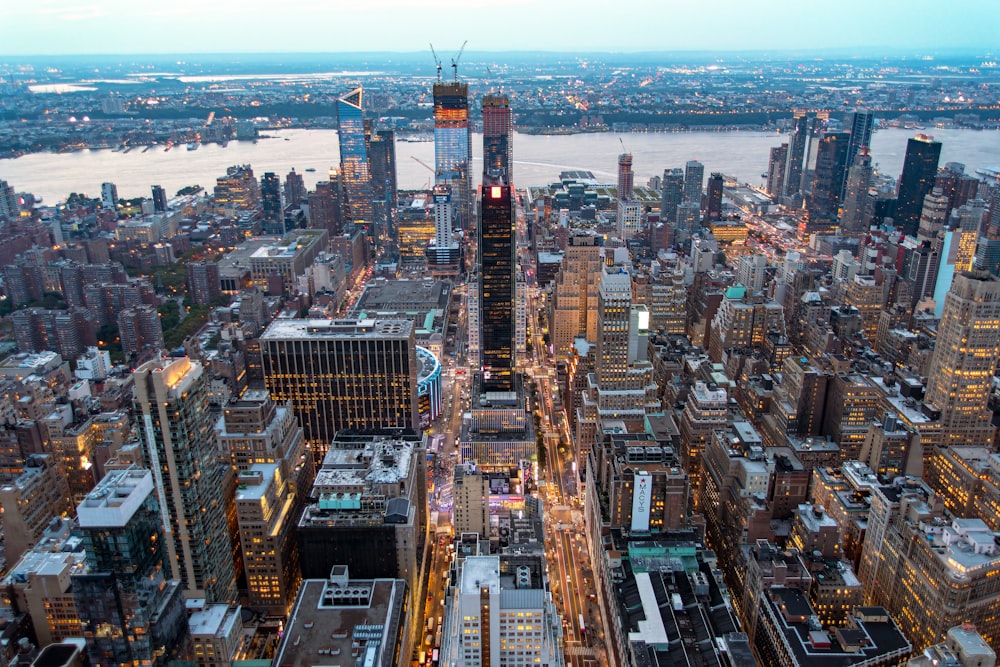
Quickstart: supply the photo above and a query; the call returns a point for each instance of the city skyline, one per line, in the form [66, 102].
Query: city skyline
[102, 27]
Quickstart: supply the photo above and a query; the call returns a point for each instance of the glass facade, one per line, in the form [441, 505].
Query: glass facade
[496, 284]
[354, 167]
[453, 145]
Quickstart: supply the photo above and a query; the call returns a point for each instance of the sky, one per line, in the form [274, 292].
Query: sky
[871, 27]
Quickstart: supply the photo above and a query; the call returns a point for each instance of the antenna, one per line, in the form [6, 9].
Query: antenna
[437, 61]
[454, 61]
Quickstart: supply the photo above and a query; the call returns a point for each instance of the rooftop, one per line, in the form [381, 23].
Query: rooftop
[317, 329]
[113, 502]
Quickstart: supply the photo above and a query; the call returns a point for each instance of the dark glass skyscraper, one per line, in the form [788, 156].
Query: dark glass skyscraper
[796, 154]
[354, 167]
[270, 195]
[496, 283]
[672, 195]
[831, 170]
[382, 152]
[713, 207]
[919, 170]
[453, 146]
[498, 136]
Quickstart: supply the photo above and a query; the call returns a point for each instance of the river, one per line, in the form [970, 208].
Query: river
[538, 159]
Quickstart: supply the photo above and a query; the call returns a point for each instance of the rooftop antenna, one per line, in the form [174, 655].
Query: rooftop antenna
[454, 61]
[437, 61]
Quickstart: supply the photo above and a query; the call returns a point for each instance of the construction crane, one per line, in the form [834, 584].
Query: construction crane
[427, 167]
[454, 61]
[437, 61]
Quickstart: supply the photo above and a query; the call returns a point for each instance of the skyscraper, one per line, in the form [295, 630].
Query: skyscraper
[776, 170]
[453, 146]
[131, 611]
[671, 196]
[382, 152]
[856, 214]
[354, 167]
[325, 207]
[444, 255]
[498, 136]
[159, 199]
[109, 196]
[694, 178]
[270, 195]
[496, 283]
[713, 207]
[175, 428]
[343, 374]
[626, 178]
[828, 177]
[862, 122]
[919, 170]
[295, 189]
[796, 153]
[966, 353]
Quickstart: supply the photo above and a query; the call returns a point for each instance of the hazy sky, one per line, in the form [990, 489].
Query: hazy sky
[37, 27]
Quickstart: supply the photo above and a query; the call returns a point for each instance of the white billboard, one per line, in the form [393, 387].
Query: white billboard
[642, 489]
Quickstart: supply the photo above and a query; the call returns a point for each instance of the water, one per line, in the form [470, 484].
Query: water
[538, 159]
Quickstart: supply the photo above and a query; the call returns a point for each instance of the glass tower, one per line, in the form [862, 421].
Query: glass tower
[354, 167]
[453, 146]
[496, 283]
[919, 170]
[498, 136]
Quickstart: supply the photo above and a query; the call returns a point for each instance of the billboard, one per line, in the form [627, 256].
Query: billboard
[642, 489]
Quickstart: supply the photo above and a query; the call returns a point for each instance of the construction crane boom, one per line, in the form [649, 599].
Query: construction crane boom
[424, 164]
[437, 61]
[454, 61]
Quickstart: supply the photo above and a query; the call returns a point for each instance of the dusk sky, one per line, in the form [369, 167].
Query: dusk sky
[40, 27]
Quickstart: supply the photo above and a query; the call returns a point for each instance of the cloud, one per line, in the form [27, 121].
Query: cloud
[74, 13]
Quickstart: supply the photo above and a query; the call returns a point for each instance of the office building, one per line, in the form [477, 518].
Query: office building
[363, 620]
[694, 181]
[265, 514]
[862, 125]
[354, 168]
[368, 508]
[471, 493]
[287, 259]
[498, 434]
[855, 217]
[705, 411]
[131, 610]
[453, 147]
[385, 198]
[963, 647]
[671, 196]
[508, 616]
[966, 353]
[776, 170]
[498, 135]
[929, 569]
[828, 176]
[794, 165]
[109, 196]
[713, 206]
[920, 165]
[203, 282]
[326, 206]
[628, 219]
[159, 199]
[216, 634]
[294, 189]
[359, 375]
[497, 289]
[175, 428]
[444, 254]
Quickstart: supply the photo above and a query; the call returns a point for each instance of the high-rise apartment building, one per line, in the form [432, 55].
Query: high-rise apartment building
[672, 195]
[498, 136]
[159, 199]
[203, 282]
[382, 157]
[10, 208]
[694, 180]
[109, 196]
[966, 353]
[497, 289]
[829, 174]
[862, 124]
[354, 167]
[444, 255]
[131, 610]
[238, 189]
[626, 178]
[175, 428]
[326, 206]
[141, 332]
[295, 189]
[776, 170]
[713, 206]
[272, 203]
[30, 502]
[471, 492]
[343, 374]
[453, 146]
[920, 165]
